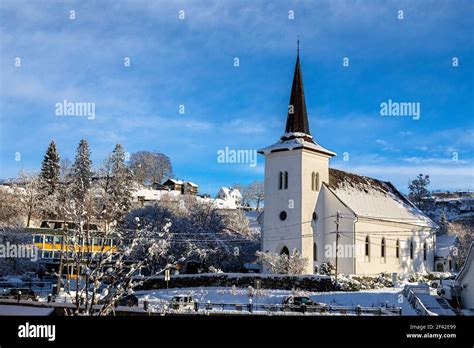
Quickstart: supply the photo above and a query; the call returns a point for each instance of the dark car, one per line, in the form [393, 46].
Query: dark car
[128, 301]
[296, 303]
[25, 294]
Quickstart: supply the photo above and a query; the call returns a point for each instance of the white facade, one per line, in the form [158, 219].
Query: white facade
[229, 194]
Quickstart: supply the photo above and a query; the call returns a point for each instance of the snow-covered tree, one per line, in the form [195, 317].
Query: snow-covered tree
[256, 192]
[28, 195]
[115, 183]
[282, 263]
[81, 175]
[150, 167]
[49, 176]
[17, 236]
[202, 233]
[10, 206]
[418, 189]
[443, 223]
[465, 234]
[108, 274]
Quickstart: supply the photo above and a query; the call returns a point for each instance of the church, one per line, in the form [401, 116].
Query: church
[363, 225]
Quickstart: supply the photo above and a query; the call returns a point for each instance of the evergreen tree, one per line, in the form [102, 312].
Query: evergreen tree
[443, 223]
[121, 181]
[49, 176]
[81, 171]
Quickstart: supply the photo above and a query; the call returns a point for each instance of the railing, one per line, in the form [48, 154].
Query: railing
[415, 302]
[310, 309]
[38, 286]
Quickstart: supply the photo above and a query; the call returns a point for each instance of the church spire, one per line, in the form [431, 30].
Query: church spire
[297, 119]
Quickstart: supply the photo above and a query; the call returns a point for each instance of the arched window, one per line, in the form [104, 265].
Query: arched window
[424, 251]
[382, 250]
[280, 181]
[397, 249]
[315, 252]
[367, 246]
[286, 180]
[411, 250]
[314, 181]
[285, 250]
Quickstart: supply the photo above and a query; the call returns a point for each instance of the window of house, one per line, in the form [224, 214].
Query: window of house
[424, 251]
[286, 180]
[411, 250]
[280, 181]
[367, 246]
[285, 250]
[382, 251]
[397, 249]
[315, 252]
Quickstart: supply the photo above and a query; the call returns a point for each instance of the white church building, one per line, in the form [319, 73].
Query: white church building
[311, 207]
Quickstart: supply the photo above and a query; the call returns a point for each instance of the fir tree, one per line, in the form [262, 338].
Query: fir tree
[443, 223]
[81, 171]
[49, 176]
[121, 182]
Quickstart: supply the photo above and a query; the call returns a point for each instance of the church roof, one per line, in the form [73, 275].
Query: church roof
[297, 119]
[375, 199]
[294, 144]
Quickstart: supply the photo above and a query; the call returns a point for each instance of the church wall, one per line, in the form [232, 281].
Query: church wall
[311, 162]
[404, 232]
[278, 234]
[328, 205]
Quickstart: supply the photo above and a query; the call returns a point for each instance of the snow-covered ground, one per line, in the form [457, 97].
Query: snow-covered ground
[366, 298]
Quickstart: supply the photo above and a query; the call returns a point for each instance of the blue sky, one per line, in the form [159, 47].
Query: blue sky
[190, 62]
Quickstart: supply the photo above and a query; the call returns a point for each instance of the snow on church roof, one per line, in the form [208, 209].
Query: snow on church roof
[372, 198]
[295, 143]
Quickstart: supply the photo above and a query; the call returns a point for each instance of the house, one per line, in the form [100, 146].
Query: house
[364, 225]
[465, 281]
[185, 187]
[229, 194]
[446, 248]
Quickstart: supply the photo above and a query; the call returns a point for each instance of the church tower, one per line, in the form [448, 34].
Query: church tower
[295, 168]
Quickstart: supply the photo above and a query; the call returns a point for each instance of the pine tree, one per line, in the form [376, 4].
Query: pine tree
[121, 182]
[49, 176]
[81, 171]
[443, 223]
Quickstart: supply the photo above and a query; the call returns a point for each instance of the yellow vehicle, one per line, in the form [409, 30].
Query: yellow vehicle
[50, 238]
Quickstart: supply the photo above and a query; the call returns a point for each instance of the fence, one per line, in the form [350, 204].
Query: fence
[37, 286]
[310, 309]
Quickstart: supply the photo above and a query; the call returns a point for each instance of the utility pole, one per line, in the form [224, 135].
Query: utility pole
[337, 221]
[60, 270]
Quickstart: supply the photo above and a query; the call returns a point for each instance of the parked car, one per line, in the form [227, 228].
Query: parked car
[296, 303]
[182, 302]
[129, 301]
[25, 294]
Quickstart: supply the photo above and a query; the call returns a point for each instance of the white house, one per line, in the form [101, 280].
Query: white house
[446, 247]
[312, 208]
[229, 194]
[465, 280]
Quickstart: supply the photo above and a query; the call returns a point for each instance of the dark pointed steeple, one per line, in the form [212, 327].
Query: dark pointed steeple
[297, 119]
